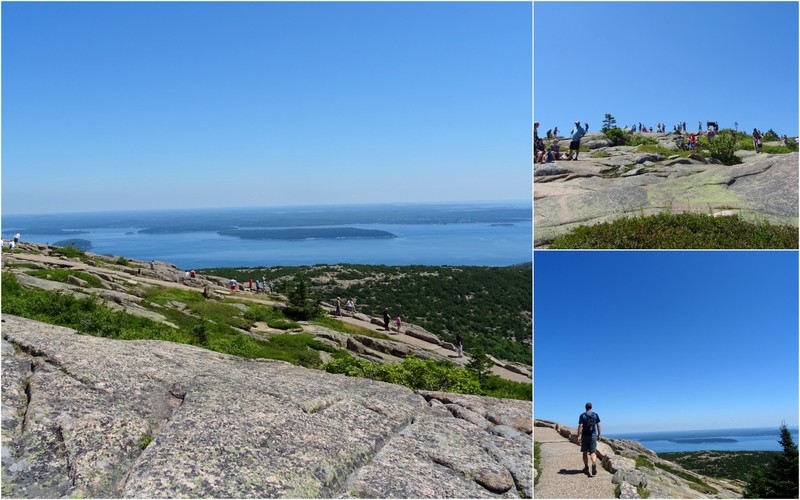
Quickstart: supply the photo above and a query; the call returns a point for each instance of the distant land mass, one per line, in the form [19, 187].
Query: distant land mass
[75, 242]
[704, 440]
[328, 233]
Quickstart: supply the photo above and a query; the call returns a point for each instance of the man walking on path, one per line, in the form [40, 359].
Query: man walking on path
[588, 435]
[575, 145]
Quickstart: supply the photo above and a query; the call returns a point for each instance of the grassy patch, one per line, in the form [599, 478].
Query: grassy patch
[342, 327]
[62, 275]
[271, 316]
[643, 492]
[643, 462]
[537, 461]
[679, 231]
[695, 483]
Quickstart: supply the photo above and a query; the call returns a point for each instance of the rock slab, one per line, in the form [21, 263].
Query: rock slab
[92, 417]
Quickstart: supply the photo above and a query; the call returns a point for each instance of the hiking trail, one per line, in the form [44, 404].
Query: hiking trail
[562, 466]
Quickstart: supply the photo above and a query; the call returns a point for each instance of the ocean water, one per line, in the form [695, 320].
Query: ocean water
[761, 439]
[441, 234]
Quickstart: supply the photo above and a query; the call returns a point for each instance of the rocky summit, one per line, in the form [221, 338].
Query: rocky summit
[610, 182]
[85, 416]
[626, 469]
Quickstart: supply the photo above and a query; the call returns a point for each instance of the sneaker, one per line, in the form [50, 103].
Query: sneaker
[594, 469]
[586, 471]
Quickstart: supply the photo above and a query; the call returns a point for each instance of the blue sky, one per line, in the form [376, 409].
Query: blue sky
[667, 340]
[666, 62]
[163, 105]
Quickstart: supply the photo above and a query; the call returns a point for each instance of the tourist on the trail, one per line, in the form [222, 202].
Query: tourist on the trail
[541, 152]
[398, 323]
[192, 274]
[757, 140]
[338, 306]
[349, 305]
[699, 127]
[549, 134]
[232, 283]
[691, 140]
[575, 145]
[586, 127]
[16, 239]
[386, 318]
[588, 435]
[11, 245]
[459, 344]
[258, 286]
[555, 132]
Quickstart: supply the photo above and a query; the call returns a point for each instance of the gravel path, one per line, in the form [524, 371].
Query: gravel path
[561, 470]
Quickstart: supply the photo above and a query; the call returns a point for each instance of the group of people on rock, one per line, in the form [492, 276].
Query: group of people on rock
[261, 285]
[350, 305]
[551, 153]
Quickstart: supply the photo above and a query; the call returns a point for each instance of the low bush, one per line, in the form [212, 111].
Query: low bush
[679, 231]
[430, 375]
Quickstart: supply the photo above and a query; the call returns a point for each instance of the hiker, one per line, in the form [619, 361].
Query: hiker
[555, 132]
[192, 274]
[757, 140]
[459, 344]
[588, 435]
[386, 318]
[16, 239]
[549, 134]
[691, 141]
[398, 323]
[349, 305]
[586, 127]
[338, 306]
[232, 283]
[575, 145]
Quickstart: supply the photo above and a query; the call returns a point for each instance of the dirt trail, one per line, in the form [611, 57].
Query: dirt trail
[251, 297]
[562, 466]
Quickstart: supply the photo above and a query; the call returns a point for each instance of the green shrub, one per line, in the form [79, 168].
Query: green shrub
[69, 252]
[643, 461]
[616, 135]
[430, 375]
[679, 231]
[62, 276]
[722, 147]
[639, 140]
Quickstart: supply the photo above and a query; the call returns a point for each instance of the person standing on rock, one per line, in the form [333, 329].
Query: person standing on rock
[398, 322]
[588, 435]
[386, 318]
[575, 145]
[555, 132]
[338, 306]
[16, 239]
[757, 140]
[459, 344]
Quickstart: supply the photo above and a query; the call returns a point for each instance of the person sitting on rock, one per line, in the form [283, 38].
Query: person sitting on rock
[575, 145]
[553, 152]
[691, 141]
[540, 151]
[588, 435]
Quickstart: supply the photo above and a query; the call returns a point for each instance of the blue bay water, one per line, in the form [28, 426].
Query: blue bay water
[492, 238]
[760, 439]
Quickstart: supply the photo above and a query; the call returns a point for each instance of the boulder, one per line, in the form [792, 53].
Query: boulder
[421, 334]
[541, 170]
[74, 280]
[600, 142]
[633, 476]
[626, 490]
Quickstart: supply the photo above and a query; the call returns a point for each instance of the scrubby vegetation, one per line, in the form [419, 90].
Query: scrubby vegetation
[679, 231]
[695, 483]
[779, 479]
[722, 464]
[215, 330]
[489, 306]
[431, 375]
[537, 461]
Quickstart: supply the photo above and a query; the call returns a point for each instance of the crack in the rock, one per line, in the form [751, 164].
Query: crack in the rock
[28, 397]
[62, 443]
[336, 491]
[45, 358]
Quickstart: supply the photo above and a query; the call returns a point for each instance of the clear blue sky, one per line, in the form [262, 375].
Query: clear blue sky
[160, 105]
[666, 62]
[668, 340]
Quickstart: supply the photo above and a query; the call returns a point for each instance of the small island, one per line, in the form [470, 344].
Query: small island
[312, 233]
[78, 243]
[703, 440]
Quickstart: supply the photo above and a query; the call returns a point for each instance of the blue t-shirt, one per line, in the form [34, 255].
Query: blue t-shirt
[577, 133]
[583, 420]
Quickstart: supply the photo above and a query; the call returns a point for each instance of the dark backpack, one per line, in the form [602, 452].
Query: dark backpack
[588, 426]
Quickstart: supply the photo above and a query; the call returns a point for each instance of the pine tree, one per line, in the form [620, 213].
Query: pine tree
[609, 122]
[780, 480]
[480, 364]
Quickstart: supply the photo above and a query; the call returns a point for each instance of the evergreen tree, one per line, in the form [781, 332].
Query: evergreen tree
[302, 306]
[771, 136]
[200, 332]
[480, 364]
[780, 480]
[609, 122]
